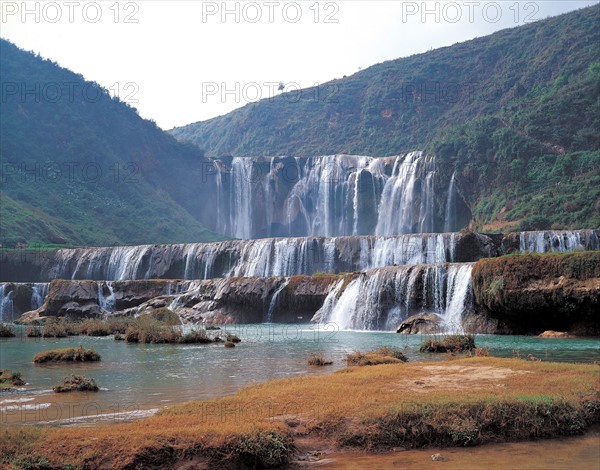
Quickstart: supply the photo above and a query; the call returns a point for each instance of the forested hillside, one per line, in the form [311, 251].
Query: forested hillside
[516, 114]
[80, 167]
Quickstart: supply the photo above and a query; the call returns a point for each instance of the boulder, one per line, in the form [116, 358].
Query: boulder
[422, 323]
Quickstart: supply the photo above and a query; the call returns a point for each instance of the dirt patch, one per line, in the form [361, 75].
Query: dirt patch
[453, 377]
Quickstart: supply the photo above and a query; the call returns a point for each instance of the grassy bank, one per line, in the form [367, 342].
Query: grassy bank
[462, 402]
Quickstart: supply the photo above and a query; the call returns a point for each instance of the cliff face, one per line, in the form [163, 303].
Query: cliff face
[532, 293]
[225, 300]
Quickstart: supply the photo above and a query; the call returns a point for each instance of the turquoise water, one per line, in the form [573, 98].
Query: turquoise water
[137, 379]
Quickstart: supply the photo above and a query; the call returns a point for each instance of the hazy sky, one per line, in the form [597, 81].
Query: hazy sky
[186, 61]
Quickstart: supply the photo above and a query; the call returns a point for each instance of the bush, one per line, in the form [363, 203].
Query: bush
[67, 355]
[59, 328]
[451, 343]
[232, 338]
[317, 359]
[76, 383]
[33, 332]
[6, 331]
[147, 329]
[10, 379]
[391, 351]
[534, 222]
[196, 337]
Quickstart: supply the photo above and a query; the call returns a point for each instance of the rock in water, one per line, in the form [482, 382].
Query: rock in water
[421, 323]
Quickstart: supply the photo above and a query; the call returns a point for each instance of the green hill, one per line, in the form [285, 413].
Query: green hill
[80, 167]
[516, 114]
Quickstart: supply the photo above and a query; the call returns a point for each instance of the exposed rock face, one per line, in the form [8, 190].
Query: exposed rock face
[224, 300]
[530, 294]
[555, 334]
[423, 323]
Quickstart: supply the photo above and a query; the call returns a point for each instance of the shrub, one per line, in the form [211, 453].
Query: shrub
[6, 331]
[59, 328]
[67, 355]
[317, 359]
[146, 329]
[370, 359]
[196, 336]
[451, 343]
[33, 332]
[232, 338]
[10, 379]
[391, 351]
[76, 383]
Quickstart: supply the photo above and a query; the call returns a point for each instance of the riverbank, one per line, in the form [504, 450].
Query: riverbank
[462, 402]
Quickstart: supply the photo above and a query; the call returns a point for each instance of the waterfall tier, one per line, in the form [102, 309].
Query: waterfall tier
[333, 195]
[381, 299]
[262, 257]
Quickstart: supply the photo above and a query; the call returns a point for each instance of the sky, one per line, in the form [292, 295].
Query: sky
[179, 62]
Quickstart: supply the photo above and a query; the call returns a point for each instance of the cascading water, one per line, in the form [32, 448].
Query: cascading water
[380, 299]
[106, 302]
[333, 195]
[273, 302]
[558, 241]
[450, 215]
[17, 298]
[262, 257]
[6, 303]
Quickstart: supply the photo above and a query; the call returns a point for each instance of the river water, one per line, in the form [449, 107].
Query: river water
[135, 379]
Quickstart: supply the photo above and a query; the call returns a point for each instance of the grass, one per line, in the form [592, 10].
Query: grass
[381, 407]
[383, 355]
[6, 331]
[451, 343]
[76, 383]
[318, 359]
[67, 355]
[10, 379]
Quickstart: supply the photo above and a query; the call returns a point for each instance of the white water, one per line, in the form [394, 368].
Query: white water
[273, 303]
[557, 241]
[381, 299]
[331, 195]
[262, 257]
[106, 302]
[401, 195]
[450, 216]
[8, 290]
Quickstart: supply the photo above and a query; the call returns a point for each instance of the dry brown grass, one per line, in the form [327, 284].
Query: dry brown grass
[462, 402]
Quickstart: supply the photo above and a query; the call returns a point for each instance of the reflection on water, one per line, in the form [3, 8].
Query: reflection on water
[137, 377]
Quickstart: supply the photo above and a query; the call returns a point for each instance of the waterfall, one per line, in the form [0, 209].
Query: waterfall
[17, 298]
[331, 195]
[450, 216]
[40, 290]
[262, 257]
[402, 194]
[6, 303]
[557, 241]
[107, 303]
[273, 303]
[379, 299]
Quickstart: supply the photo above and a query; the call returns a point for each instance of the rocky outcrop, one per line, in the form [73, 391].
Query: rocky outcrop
[530, 294]
[224, 300]
[423, 323]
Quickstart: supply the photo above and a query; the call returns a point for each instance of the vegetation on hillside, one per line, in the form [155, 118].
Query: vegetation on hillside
[516, 114]
[82, 167]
